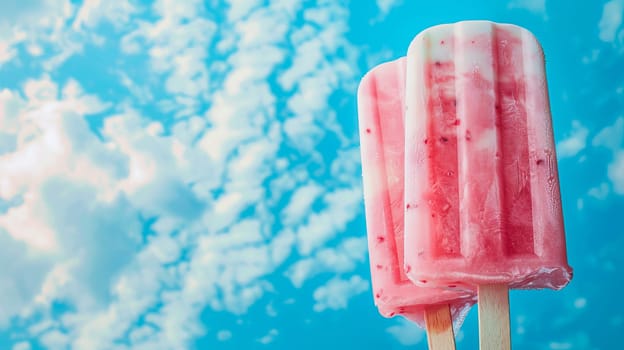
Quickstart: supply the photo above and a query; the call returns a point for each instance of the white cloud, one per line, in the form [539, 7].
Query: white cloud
[269, 337]
[52, 128]
[177, 44]
[38, 24]
[342, 259]
[136, 290]
[18, 12]
[23, 223]
[301, 203]
[7, 52]
[22, 346]
[592, 57]
[141, 93]
[335, 294]
[53, 190]
[8, 142]
[347, 167]
[600, 192]
[346, 257]
[303, 130]
[385, 6]
[55, 340]
[578, 340]
[79, 201]
[535, 6]
[17, 293]
[611, 20]
[41, 91]
[580, 204]
[612, 137]
[405, 332]
[141, 333]
[302, 270]
[56, 171]
[308, 105]
[270, 310]
[342, 206]
[574, 142]
[239, 9]
[282, 246]
[93, 12]
[616, 172]
[580, 303]
[32, 14]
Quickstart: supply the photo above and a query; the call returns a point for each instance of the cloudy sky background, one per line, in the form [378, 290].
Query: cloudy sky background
[186, 174]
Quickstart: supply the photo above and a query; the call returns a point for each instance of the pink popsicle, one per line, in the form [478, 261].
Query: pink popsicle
[482, 196]
[381, 123]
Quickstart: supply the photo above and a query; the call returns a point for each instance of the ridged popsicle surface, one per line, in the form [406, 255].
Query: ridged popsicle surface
[381, 123]
[482, 200]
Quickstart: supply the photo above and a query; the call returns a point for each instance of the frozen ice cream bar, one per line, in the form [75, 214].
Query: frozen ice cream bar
[380, 113]
[482, 201]
[482, 190]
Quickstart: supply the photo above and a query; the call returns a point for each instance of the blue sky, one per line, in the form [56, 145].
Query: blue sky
[186, 174]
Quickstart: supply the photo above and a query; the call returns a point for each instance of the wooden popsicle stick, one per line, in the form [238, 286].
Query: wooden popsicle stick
[439, 327]
[494, 317]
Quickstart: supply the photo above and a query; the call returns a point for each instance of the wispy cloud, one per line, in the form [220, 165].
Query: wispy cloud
[92, 13]
[536, 6]
[385, 6]
[177, 45]
[269, 337]
[335, 294]
[22, 346]
[406, 332]
[138, 223]
[612, 137]
[32, 23]
[301, 203]
[599, 192]
[611, 20]
[574, 142]
[616, 172]
[341, 259]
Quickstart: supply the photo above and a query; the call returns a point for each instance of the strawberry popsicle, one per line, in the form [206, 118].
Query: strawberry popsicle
[380, 109]
[482, 200]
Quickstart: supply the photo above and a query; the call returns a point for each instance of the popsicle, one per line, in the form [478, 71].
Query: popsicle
[482, 199]
[380, 113]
